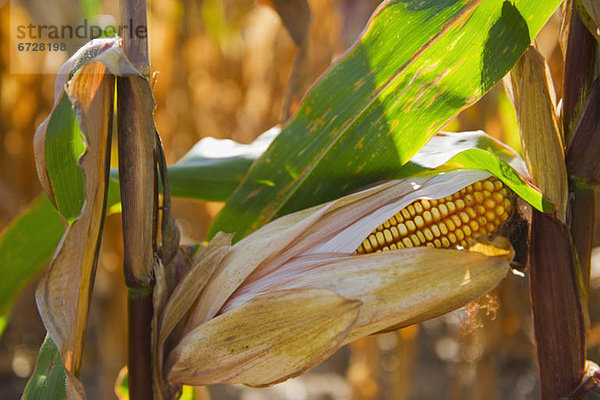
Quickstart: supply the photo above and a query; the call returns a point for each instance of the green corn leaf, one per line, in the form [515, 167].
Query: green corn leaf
[51, 380]
[417, 64]
[63, 148]
[48, 379]
[476, 150]
[213, 168]
[26, 245]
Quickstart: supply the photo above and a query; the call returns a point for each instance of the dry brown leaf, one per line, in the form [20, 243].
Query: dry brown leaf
[296, 16]
[137, 169]
[91, 50]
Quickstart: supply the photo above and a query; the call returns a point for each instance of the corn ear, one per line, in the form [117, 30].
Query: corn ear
[478, 209]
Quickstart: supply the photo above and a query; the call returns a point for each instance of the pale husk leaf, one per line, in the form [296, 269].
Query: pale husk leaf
[273, 337]
[541, 134]
[397, 288]
[265, 246]
[244, 257]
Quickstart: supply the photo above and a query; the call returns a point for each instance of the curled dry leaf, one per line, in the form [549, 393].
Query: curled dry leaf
[63, 296]
[293, 292]
[72, 267]
[62, 77]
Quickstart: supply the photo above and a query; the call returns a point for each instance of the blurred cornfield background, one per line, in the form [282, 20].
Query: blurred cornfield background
[223, 66]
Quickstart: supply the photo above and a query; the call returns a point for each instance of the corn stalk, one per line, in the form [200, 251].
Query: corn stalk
[560, 255]
[139, 195]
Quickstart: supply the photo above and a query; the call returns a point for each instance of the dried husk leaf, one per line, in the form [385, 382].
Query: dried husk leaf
[274, 244]
[541, 134]
[313, 250]
[192, 285]
[169, 313]
[244, 257]
[248, 342]
[273, 337]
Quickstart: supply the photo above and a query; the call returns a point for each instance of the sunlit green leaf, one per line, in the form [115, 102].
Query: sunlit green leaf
[213, 168]
[418, 64]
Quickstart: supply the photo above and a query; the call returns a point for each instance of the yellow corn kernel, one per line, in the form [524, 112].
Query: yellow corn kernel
[480, 208]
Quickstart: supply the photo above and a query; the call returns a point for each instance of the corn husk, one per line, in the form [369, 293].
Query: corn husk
[287, 296]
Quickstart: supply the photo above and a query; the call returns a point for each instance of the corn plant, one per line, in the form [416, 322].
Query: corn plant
[357, 215]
